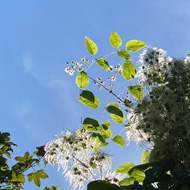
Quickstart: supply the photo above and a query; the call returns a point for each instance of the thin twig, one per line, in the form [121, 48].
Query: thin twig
[110, 91]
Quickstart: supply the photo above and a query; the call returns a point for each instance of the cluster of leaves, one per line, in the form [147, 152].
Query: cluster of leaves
[89, 99]
[149, 176]
[13, 178]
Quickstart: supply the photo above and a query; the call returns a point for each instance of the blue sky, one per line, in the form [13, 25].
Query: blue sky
[37, 37]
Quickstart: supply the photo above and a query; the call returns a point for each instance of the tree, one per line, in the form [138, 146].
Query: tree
[14, 177]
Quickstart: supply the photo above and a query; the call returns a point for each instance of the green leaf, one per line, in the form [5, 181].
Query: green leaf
[127, 181]
[119, 140]
[188, 54]
[88, 98]
[8, 188]
[36, 177]
[82, 80]
[115, 40]
[124, 54]
[128, 103]
[91, 46]
[106, 124]
[102, 185]
[106, 133]
[115, 112]
[24, 159]
[145, 157]
[52, 188]
[136, 91]
[124, 169]
[135, 45]
[103, 63]
[129, 71]
[100, 142]
[90, 124]
[18, 177]
[138, 175]
[40, 151]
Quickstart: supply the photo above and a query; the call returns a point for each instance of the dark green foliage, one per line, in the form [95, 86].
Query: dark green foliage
[13, 178]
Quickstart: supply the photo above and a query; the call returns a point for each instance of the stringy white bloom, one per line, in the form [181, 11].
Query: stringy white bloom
[187, 60]
[162, 116]
[74, 153]
[152, 63]
[133, 132]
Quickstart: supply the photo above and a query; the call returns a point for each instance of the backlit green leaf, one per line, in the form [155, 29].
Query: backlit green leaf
[82, 80]
[88, 98]
[127, 181]
[115, 112]
[136, 91]
[100, 142]
[129, 70]
[52, 188]
[106, 124]
[124, 54]
[128, 103]
[115, 40]
[145, 157]
[138, 175]
[17, 177]
[119, 140]
[135, 45]
[106, 133]
[36, 177]
[24, 159]
[124, 169]
[91, 46]
[103, 63]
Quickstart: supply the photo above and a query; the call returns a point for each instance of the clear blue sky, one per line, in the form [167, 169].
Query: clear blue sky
[37, 37]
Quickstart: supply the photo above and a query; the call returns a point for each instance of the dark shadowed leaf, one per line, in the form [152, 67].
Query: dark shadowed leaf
[116, 113]
[102, 185]
[90, 124]
[88, 98]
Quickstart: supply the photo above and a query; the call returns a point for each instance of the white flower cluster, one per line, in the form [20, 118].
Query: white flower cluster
[153, 64]
[75, 66]
[134, 133]
[73, 152]
[116, 70]
[162, 117]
